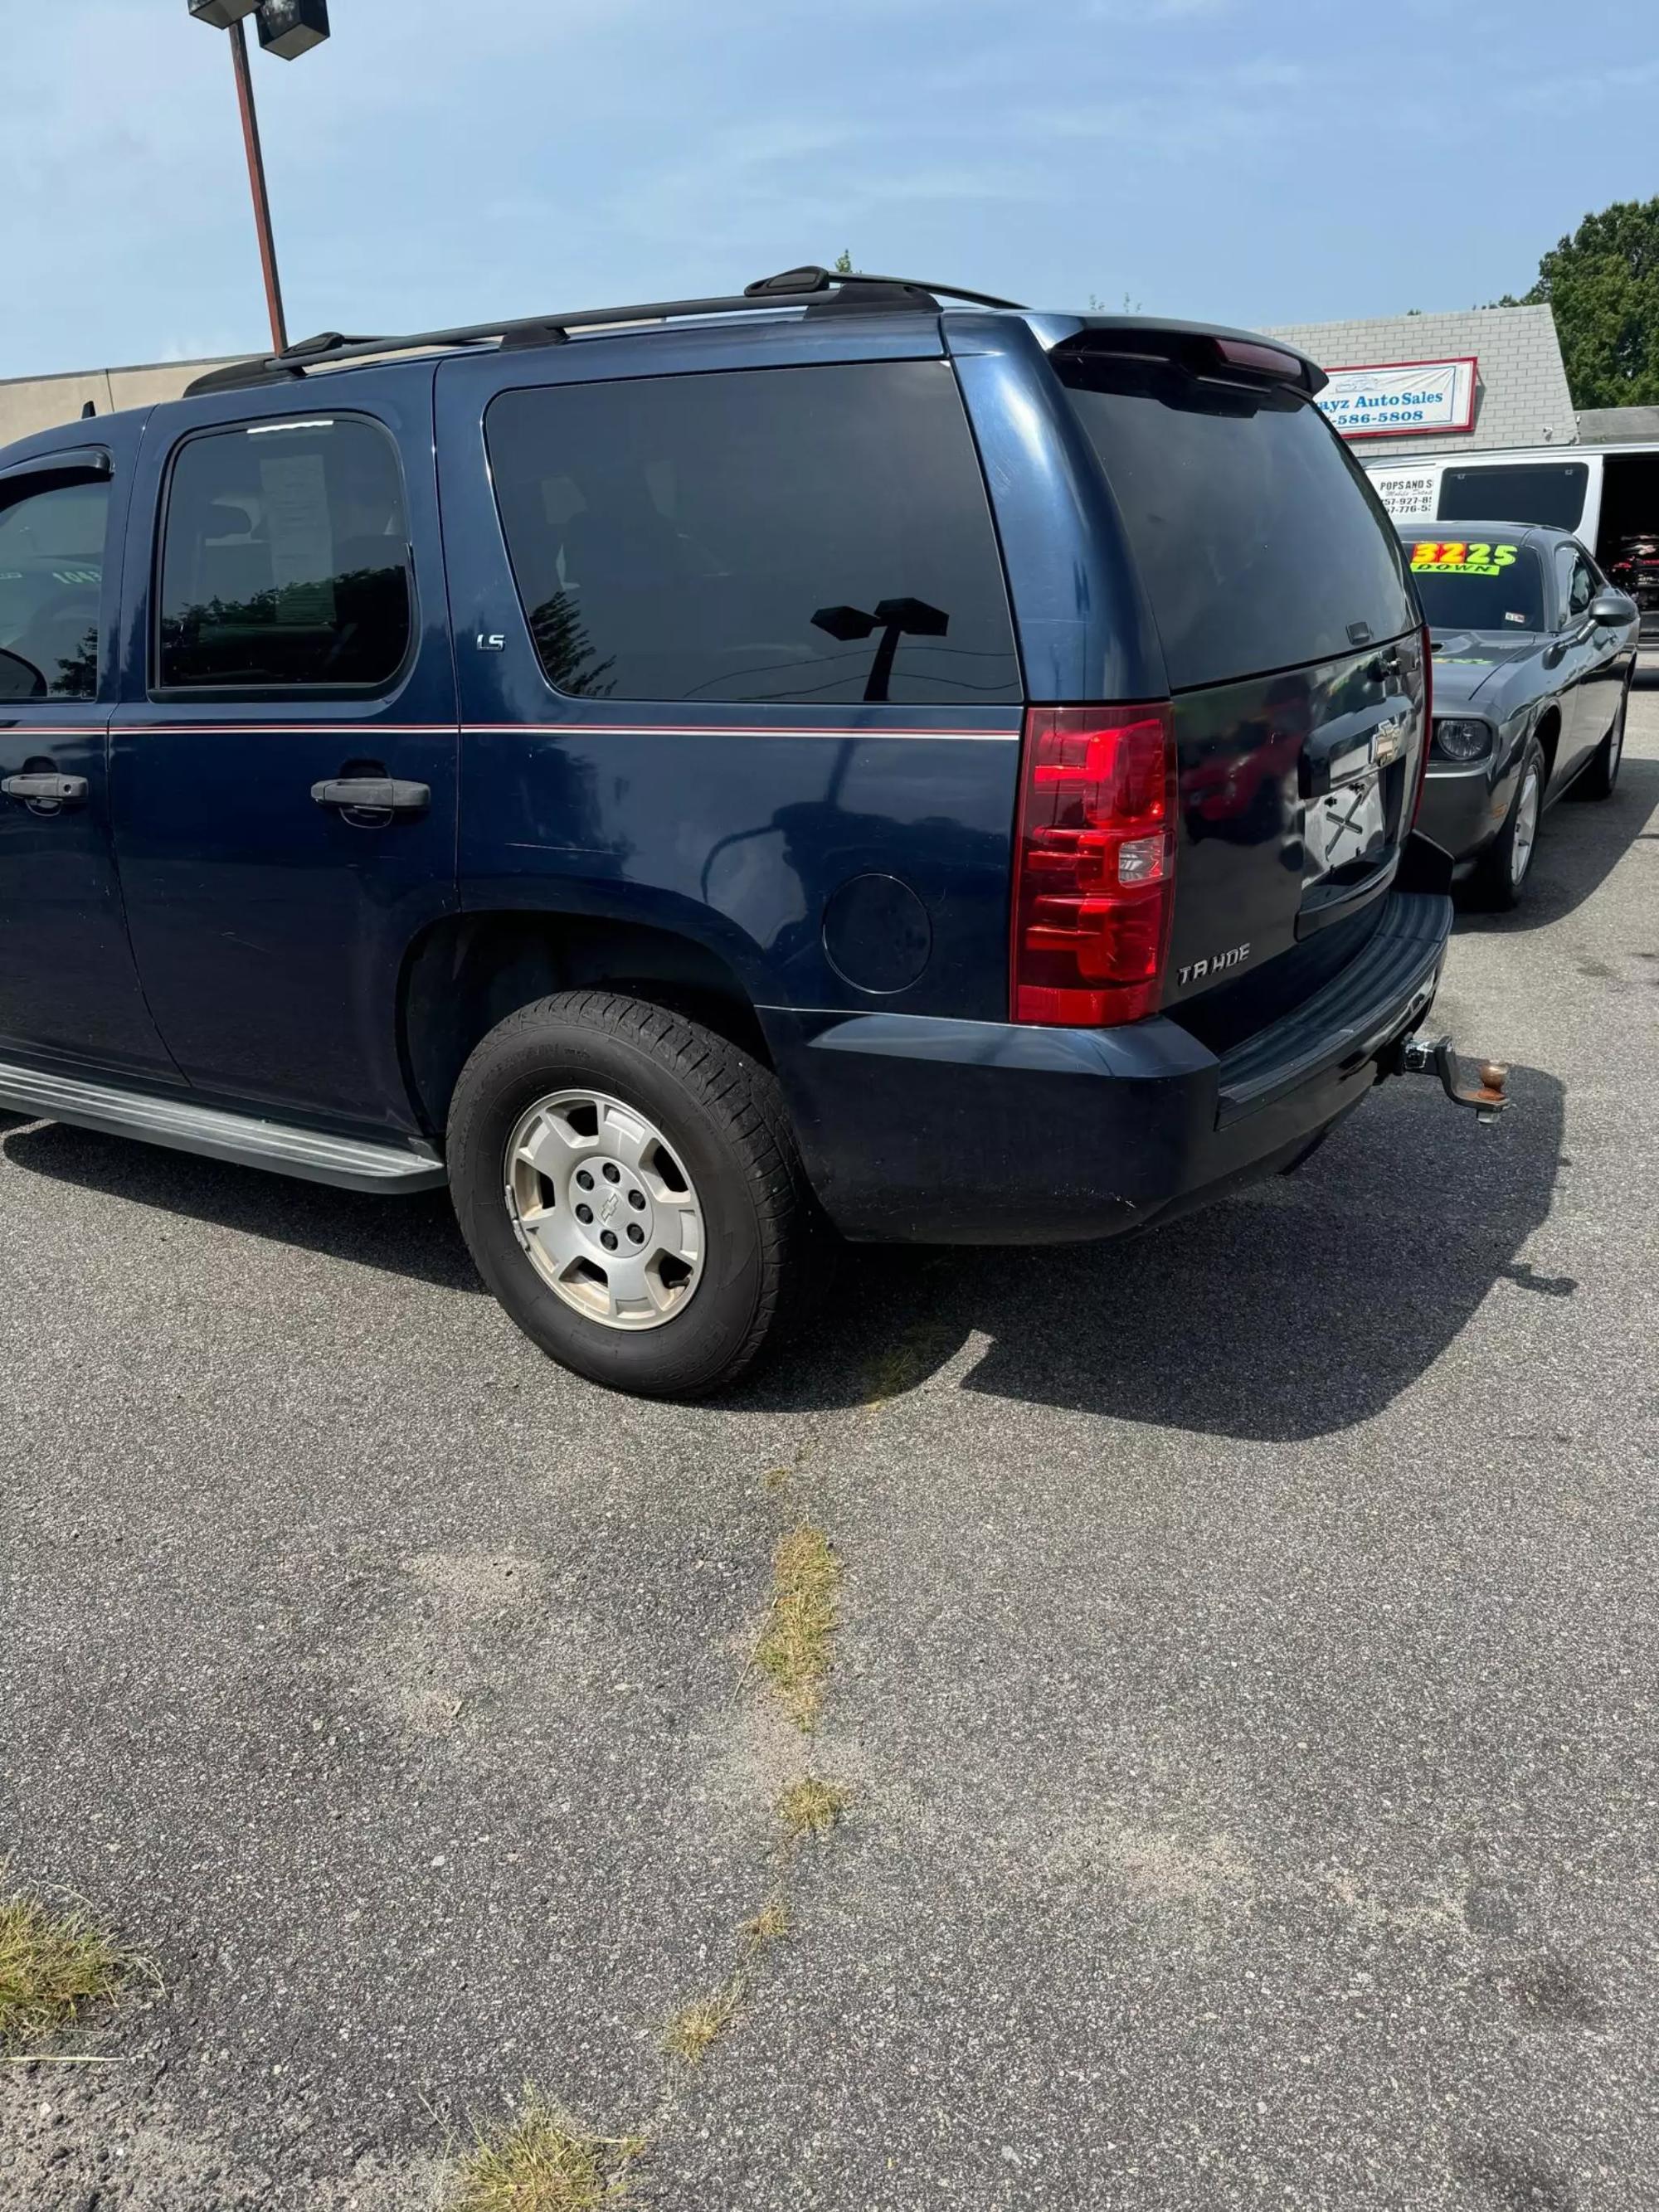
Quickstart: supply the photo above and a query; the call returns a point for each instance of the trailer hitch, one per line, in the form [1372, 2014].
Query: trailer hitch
[1485, 1098]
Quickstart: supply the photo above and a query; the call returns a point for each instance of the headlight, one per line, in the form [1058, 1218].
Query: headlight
[1460, 741]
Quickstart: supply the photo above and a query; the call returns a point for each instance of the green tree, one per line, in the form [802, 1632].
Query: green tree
[1604, 284]
[844, 262]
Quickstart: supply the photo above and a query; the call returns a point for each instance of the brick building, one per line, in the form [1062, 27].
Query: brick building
[1521, 393]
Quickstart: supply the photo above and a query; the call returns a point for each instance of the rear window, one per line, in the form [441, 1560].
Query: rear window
[1540, 491]
[1465, 585]
[815, 534]
[1258, 539]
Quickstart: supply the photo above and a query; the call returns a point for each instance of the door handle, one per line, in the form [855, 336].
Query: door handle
[50, 790]
[379, 795]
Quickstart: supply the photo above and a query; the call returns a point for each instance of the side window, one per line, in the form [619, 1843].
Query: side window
[1519, 491]
[818, 535]
[284, 561]
[51, 575]
[1575, 582]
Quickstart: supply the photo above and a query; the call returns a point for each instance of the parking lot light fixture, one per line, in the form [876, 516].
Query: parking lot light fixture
[288, 29]
[220, 14]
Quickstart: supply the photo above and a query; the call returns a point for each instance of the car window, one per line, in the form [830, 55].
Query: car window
[285, 560]
[51, 574]
[1467, 584]
[815, 534]
[1551, 492]
[1259, 539]
[1574, 583]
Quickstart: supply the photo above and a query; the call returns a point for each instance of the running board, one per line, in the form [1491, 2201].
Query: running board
[346, 1163]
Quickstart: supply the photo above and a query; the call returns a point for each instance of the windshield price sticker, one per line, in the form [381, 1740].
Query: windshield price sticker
[1453, 558]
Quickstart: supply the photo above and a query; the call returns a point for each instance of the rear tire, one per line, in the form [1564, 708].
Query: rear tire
[1601, 778]
[1501, 875]
[685, 1143]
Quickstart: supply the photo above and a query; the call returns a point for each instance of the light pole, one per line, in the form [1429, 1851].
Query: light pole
[288, 29]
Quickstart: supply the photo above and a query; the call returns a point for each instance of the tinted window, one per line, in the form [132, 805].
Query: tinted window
[1541, 491]
[285, 565]
[1259, 541]
[51, 573]
[811, 534]
[1466, 585]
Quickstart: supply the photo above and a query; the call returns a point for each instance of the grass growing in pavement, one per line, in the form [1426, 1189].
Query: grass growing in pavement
[810, 1808]
[51, 1965]
[544, 2162]
[696, 2029]
[699, 2025]
[794, 1651]
[908, 1359]
[769, 1925]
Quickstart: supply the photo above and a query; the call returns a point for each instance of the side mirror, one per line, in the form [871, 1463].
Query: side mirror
[1612, 610]
[20, 678]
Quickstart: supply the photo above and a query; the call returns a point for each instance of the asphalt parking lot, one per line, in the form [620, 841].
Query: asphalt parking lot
[1247, 1687]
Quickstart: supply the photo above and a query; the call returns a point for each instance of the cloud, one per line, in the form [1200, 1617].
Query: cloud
[546, 153]
[1180, 114]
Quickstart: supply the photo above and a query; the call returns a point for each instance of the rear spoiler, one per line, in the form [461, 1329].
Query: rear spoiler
[1197, 348]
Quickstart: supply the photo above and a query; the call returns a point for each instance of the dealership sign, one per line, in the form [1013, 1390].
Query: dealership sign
[1401, 399]
[1408, 493]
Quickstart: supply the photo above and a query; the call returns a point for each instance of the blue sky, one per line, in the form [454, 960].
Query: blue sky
[1249, 161]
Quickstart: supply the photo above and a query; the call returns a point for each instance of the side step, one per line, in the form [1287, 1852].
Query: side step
[346, 1162]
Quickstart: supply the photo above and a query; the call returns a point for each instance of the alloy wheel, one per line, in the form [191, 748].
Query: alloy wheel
[1525, 834]
[603, 1205]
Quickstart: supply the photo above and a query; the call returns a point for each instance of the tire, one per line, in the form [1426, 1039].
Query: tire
[715, 1189]
[1601, 775]
[1501, 876]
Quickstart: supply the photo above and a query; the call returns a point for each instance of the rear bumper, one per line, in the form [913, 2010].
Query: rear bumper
[915, 1130]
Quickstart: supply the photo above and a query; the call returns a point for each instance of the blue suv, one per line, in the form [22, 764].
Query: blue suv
[854, 759]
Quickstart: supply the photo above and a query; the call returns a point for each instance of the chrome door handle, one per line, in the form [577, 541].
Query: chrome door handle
[381, 795]
[48, 790]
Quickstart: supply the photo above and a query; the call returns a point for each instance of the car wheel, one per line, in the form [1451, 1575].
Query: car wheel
[1501, 876]
[629, 1186]
[1602, 774]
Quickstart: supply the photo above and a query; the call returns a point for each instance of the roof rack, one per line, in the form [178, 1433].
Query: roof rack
[819, 290]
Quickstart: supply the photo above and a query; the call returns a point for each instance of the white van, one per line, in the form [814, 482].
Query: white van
[1603, 494]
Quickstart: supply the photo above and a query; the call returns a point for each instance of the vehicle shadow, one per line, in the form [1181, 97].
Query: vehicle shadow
[415, 1236]
[1582, 842]
[1296, 1309]
[1293, 1310]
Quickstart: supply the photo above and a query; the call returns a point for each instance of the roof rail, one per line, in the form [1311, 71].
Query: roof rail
[819, 291]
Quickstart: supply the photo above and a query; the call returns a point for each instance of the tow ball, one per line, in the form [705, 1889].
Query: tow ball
[1486, 1098]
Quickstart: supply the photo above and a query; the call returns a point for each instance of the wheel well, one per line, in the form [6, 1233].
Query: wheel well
[472, 970]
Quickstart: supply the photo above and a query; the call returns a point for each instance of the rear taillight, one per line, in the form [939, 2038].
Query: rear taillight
[1093, 865]
[1428, 724]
